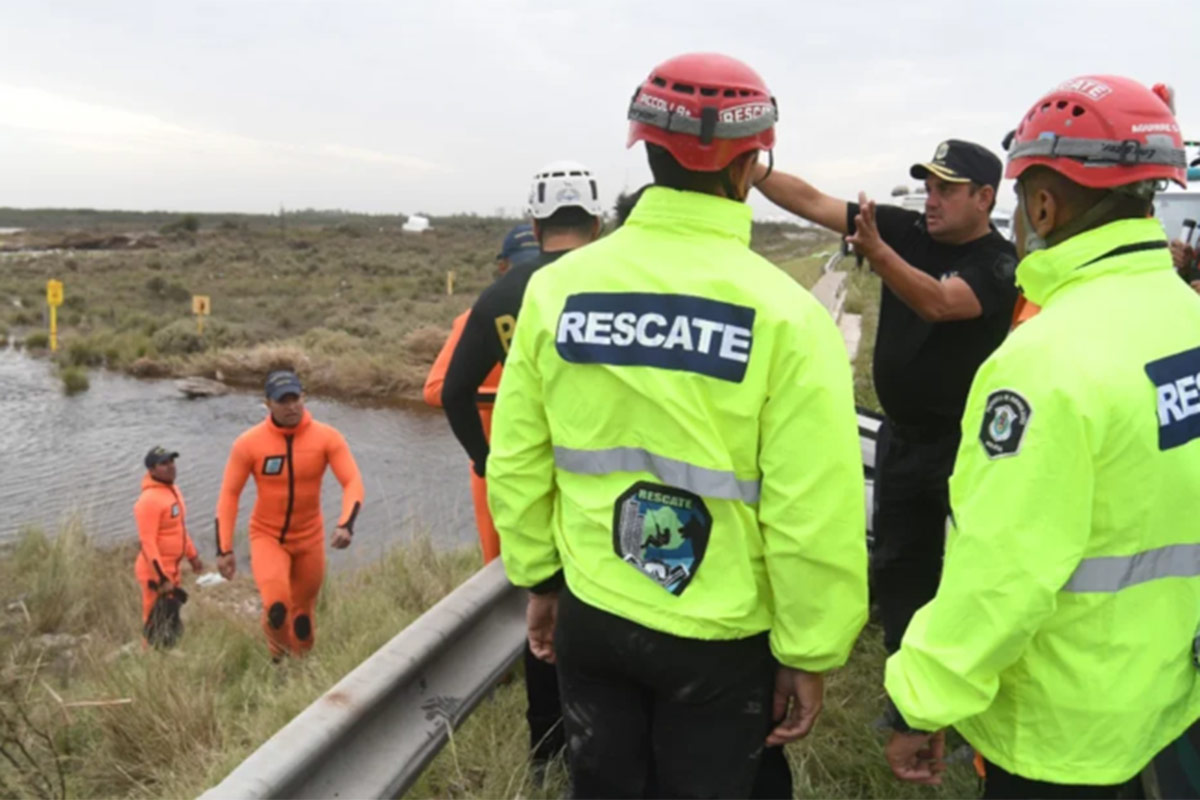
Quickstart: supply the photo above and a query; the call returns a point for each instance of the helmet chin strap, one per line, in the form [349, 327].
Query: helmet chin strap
[731, 191]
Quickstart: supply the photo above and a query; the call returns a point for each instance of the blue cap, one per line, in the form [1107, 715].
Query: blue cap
[159, 455]
[520, 245]
[281, 383]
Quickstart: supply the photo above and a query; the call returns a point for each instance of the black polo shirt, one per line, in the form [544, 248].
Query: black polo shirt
[923, 370]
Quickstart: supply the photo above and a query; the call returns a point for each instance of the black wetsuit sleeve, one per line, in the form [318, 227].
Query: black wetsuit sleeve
[473, 359]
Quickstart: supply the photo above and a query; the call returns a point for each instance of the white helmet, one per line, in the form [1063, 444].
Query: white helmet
[562, 184]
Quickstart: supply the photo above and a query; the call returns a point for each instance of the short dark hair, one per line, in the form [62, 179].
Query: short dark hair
[568, 219]
[1078, 199]
[671, 174]
[977, 187]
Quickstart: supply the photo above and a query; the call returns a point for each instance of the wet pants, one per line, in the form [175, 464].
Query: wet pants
[999, 784]
[146, 575]
[648, 714]
[489, 539]
[544, 710]
[289, 577]
[912, 503]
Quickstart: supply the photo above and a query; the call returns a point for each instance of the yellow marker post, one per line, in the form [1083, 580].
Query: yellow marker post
[54, 298]
[201, 307]
[450, 281]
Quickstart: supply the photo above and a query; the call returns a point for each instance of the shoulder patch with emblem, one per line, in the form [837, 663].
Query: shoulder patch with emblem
[175, 509]
[1005, 419]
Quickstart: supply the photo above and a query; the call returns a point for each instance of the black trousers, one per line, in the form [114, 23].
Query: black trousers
[648, 714]
[544, 709]
[912, 501]
[1002, 785]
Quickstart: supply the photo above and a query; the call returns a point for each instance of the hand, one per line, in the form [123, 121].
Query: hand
[804, 693]
[866, 239]
[917, 757]
[1181, 255]
[227, 566]
[164, 587]
[541, 613]
[197, 564]
[341, 538]
[480, 467]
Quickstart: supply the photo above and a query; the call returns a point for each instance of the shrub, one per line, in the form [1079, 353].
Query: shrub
[74, 379]
[82, 353]
[38, 340]
[188, 223]
[179, 338]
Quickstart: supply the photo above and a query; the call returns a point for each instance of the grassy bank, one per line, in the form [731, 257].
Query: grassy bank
[169, 724]
[85, 711]
[355, 304]
[862, 297]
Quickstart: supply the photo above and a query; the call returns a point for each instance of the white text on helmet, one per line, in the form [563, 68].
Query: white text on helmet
[1087, 87]
[663, 105]
[746, 112]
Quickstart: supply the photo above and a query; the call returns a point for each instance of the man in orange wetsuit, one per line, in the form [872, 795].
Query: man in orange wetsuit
[162, 531]
[520, 247]
[287, 454]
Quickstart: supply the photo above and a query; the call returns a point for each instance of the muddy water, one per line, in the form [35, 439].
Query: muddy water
[83, 455]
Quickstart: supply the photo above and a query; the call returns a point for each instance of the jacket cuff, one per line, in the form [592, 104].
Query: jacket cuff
[896, 721]
[551, 584]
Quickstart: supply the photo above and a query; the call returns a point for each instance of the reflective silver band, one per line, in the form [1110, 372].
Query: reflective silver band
[714, 483]
[1114, 573]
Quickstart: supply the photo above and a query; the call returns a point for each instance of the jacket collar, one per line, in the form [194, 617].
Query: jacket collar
[305, 421]
[699, 213]
[1091, 255]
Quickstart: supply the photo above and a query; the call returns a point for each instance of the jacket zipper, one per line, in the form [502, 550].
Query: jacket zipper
[182, 526]
[287, 517]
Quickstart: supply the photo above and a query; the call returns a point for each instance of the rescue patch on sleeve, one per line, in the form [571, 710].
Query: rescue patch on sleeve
[175, 509]
[1176, 382]
[663, 532]
[1005, 419]
[668, 331]
[273, 465]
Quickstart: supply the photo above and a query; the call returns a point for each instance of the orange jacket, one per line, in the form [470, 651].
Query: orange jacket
[1023, 311]
[162, 528]
[288, 465]
[437, 376]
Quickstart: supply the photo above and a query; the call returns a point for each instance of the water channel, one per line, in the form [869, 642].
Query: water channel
[82, 455]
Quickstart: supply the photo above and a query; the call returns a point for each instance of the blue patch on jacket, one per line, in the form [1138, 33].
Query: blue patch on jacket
[668, 331]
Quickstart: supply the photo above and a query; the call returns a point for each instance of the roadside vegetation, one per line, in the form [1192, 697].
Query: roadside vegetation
[361, 309]
[86, 711]
[356, 305]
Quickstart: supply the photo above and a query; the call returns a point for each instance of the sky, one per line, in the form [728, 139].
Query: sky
[448, 106]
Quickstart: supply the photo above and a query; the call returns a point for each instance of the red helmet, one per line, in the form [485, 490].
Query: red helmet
[1101, 131]
[706, 109]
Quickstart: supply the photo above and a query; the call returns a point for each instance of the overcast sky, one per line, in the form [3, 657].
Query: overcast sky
[449, 106]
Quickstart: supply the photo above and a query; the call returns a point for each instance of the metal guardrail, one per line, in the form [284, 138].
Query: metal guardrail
[376, 730]
[373, 733]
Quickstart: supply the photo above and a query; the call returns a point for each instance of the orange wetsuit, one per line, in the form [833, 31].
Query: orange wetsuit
[287, 531]
[162, 530]
[489, 540]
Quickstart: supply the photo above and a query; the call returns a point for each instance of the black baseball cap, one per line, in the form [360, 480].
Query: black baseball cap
[959, 162]
[159, 455]
[281, 383]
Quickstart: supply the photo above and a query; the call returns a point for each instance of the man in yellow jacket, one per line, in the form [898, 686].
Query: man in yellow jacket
[1062, 640]
[675, 469]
